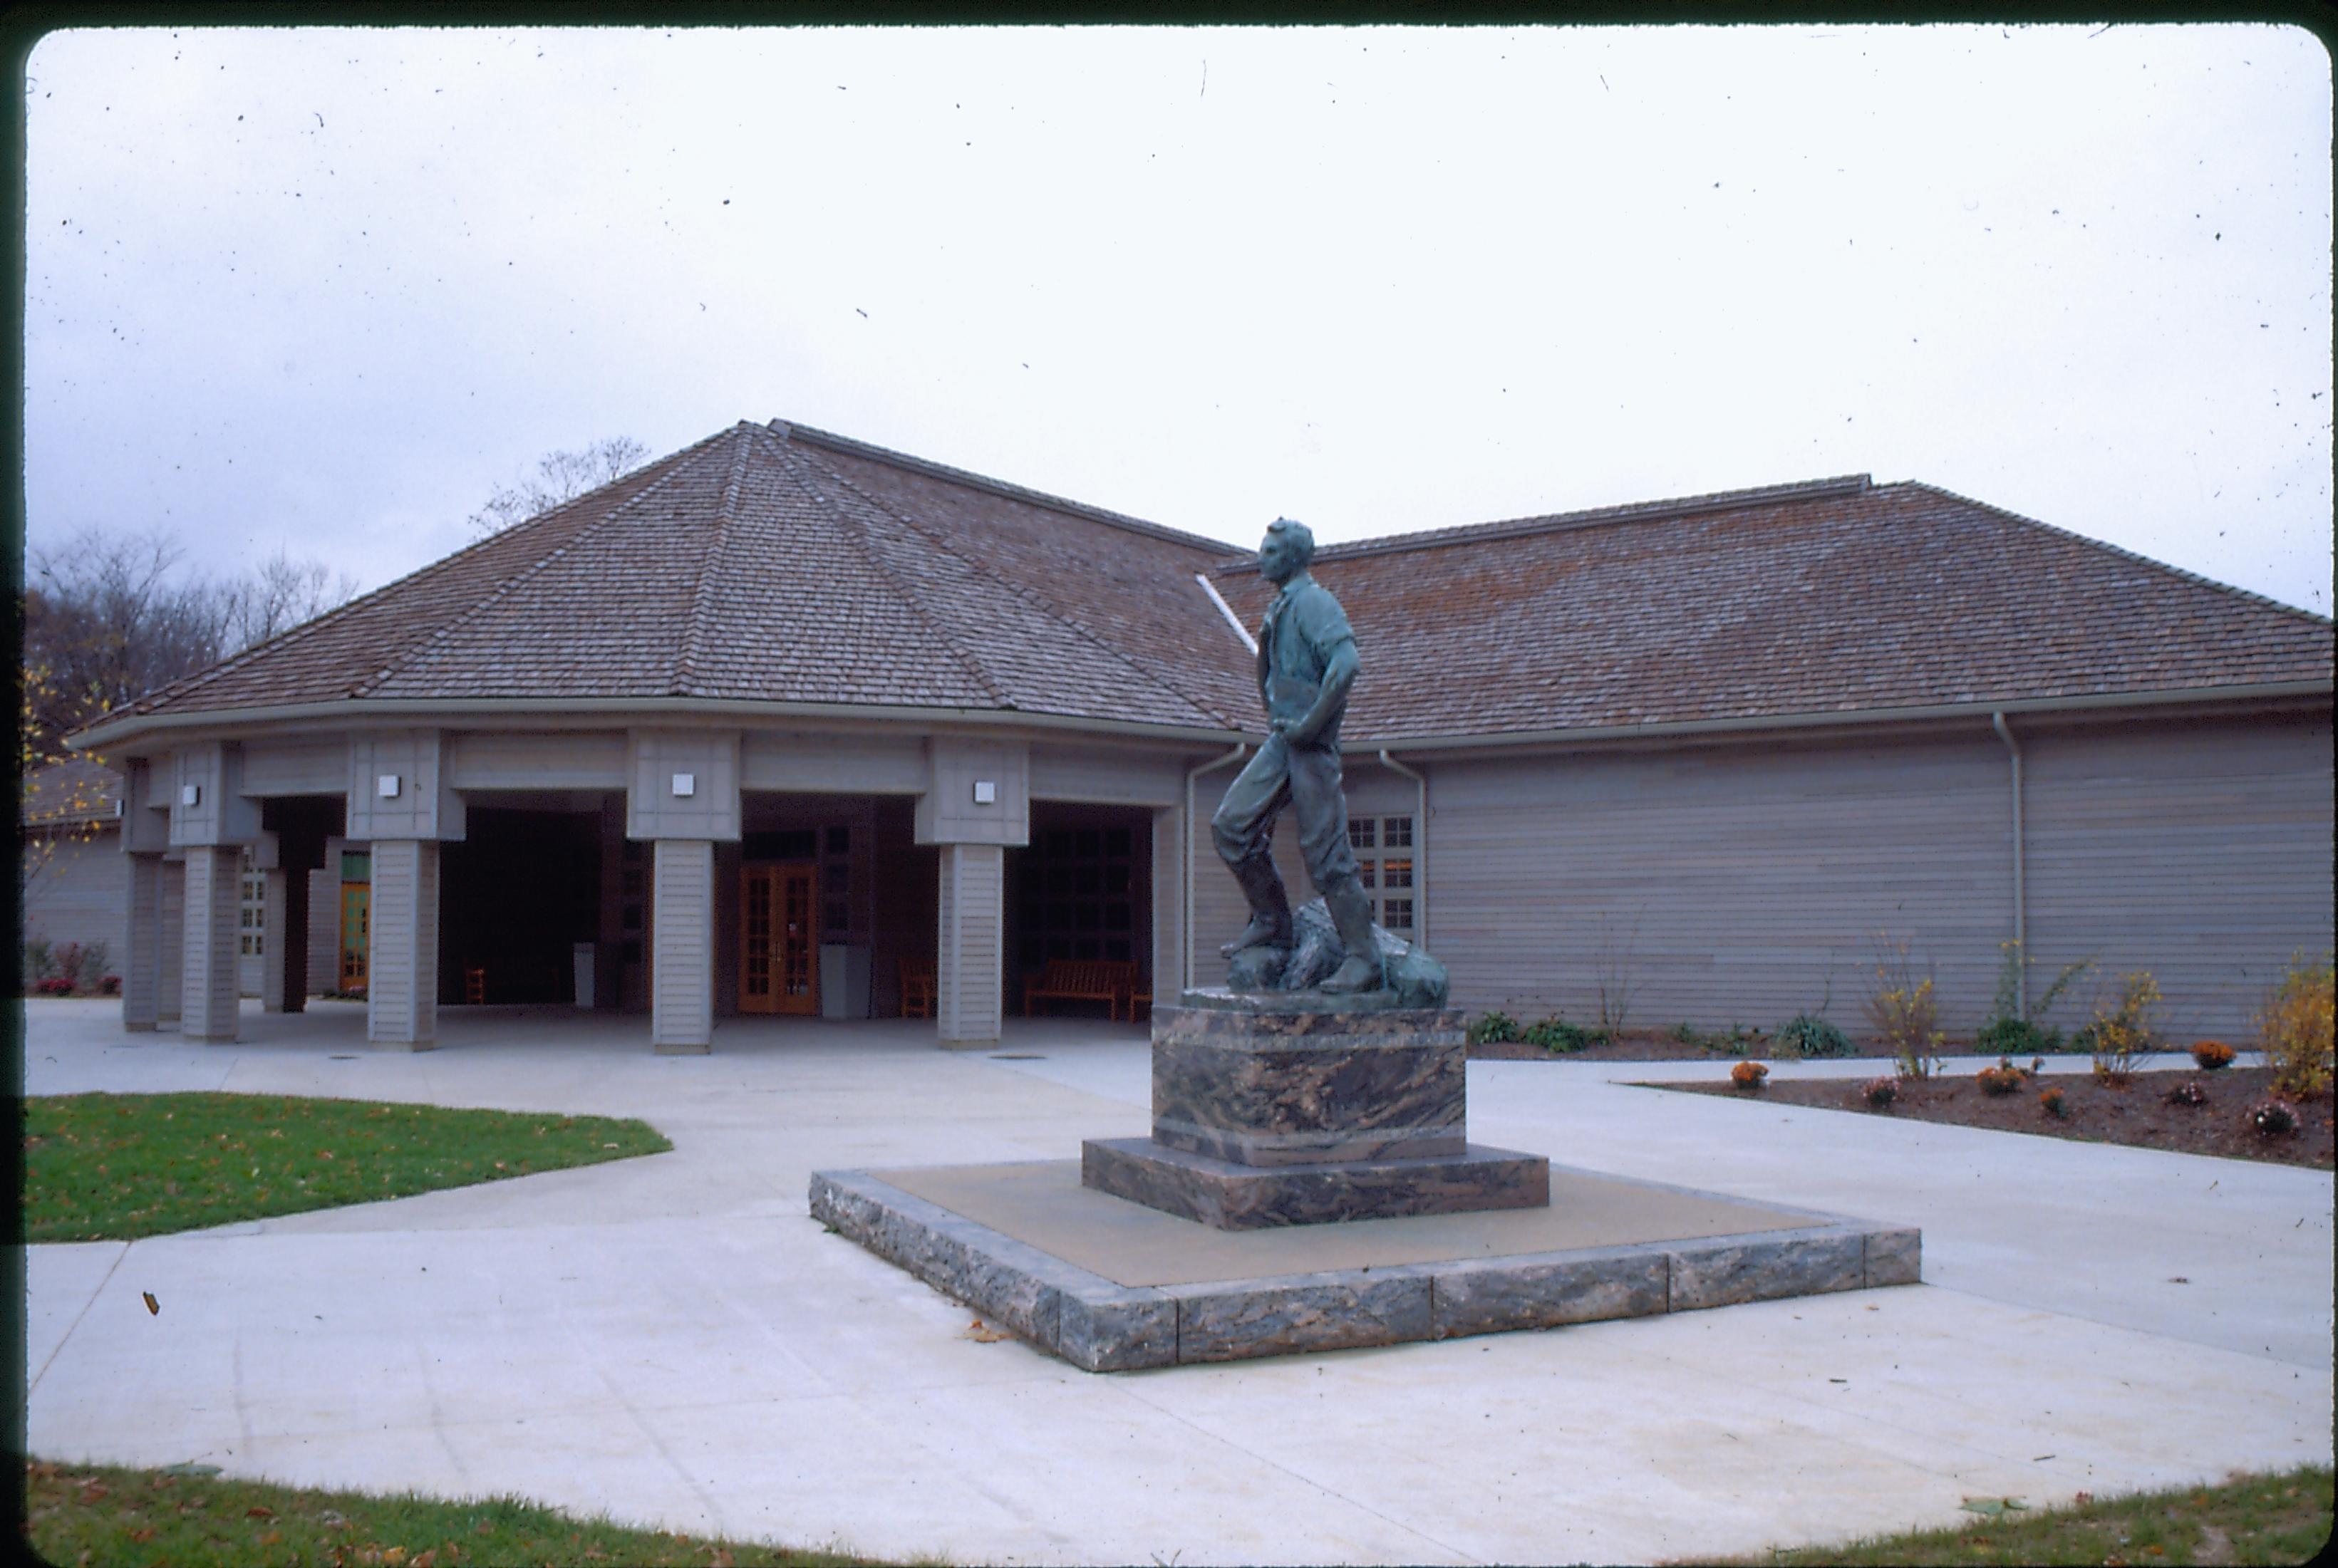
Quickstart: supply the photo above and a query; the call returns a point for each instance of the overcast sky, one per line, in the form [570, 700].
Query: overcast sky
[326, 288]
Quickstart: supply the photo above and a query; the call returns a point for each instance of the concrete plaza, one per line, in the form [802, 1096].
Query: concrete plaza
[674, 1341]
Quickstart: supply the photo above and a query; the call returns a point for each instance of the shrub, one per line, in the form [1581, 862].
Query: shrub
[1905, 1014]
[2006, 1035]
[1880, 1092]
[1806, 1036]
[1558, 1034]
[1748, 1075]
[2188, 1092]
[39, 960]
[2294, 1029]
[2123, 1031]
[70, 957]
[2211, 1055]
[2009, 1029]
[53, 985]
[1493, 1028]
[2052, 1102]
[2274, 1118]
[111, 986]
[2003, 1079]
[1732, 1043]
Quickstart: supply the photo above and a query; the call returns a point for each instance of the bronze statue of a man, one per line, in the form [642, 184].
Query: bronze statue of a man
[1306, 663]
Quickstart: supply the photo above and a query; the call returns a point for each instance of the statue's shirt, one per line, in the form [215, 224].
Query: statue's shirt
[1303, 627]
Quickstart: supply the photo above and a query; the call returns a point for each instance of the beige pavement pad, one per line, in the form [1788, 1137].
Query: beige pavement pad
[1042, 1203]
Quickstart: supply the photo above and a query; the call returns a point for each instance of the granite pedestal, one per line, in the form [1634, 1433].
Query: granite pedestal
[1275, 1110]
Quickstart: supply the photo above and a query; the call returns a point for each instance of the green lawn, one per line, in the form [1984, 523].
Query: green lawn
[2255, 1519]
[116, 1167]
[189, 1517]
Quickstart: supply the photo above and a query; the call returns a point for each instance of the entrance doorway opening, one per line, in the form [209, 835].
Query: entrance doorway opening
[1081, 893]
[517, 896]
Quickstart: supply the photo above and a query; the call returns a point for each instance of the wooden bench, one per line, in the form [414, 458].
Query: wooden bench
[1109, 981]
[916, 987]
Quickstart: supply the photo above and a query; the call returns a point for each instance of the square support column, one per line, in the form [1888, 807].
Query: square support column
[402, 945]
[169, 967]
[141, 965]
[284, 941]
[1168, 904]
[208, 989]
[682, 948]
[972, 948]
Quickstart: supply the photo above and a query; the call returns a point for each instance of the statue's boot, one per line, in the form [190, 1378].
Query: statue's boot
[1352, 913]
[1270, 906]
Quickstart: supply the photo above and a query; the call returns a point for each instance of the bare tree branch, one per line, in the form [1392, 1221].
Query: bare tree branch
[559, 476]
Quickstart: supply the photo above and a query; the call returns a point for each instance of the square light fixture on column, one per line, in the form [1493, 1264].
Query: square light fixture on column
[387, 786]
[685, 785]
[190, 794]
[985, 792]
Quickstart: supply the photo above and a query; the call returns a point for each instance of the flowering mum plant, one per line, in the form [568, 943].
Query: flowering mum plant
[2273, 1119]
[2003, 1079]
[2211, 1055]
[1748, 1075]
[2052, 1102]
[2188, 1092]
[1880, 1092]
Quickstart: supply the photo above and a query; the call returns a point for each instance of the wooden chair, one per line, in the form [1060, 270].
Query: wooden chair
[1109, 981]
[474, 986]
[916, 987]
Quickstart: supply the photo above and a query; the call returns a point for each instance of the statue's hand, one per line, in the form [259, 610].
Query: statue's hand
[1281, 727]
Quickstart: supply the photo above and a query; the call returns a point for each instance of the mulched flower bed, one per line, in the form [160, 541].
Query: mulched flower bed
[1639, 1046]
[2140, 1115]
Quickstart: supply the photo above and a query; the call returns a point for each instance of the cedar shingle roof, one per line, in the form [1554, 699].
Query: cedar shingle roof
[1836, 596]
[782, 563]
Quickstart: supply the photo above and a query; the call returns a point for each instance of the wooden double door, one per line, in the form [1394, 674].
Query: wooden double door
[779, 939]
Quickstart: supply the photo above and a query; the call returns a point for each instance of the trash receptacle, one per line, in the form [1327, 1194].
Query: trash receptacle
[584, 961]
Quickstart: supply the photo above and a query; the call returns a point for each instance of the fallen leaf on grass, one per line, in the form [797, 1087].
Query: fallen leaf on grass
[142, 1536]
[258, 1511]
[984, 1333]
[1990, 1507]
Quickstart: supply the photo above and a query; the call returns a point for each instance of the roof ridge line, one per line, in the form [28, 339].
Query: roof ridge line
[236, 661]
[2119, 550]
[787, 429]
[1047, 607]
[505, 588]
[701, 596]
[856, 530]
[1594, 517]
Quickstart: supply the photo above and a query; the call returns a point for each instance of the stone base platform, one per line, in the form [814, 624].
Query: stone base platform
[1114, 1286]
[1233, 1196]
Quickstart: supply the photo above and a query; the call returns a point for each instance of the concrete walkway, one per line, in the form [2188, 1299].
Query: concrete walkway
[672, 1340]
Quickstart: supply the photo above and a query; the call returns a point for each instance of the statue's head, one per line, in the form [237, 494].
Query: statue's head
[1288, 547]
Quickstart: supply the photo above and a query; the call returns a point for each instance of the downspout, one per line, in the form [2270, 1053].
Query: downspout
[1419, 848]
[1185, 833]
[2020, 904]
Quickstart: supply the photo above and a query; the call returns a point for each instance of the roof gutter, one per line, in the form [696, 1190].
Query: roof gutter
[1843, 717]
[418, 710]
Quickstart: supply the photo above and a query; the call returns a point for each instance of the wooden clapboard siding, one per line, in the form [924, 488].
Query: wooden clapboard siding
[536, 759]
[1745, 883]
[76, 889]
[1088, 771]
[968, 979]
[296, 767]
[402, 937]
[681, 936]
[868, 763]
[2199, 851]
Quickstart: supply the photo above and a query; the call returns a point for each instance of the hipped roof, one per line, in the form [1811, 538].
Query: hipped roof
[783, 565]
